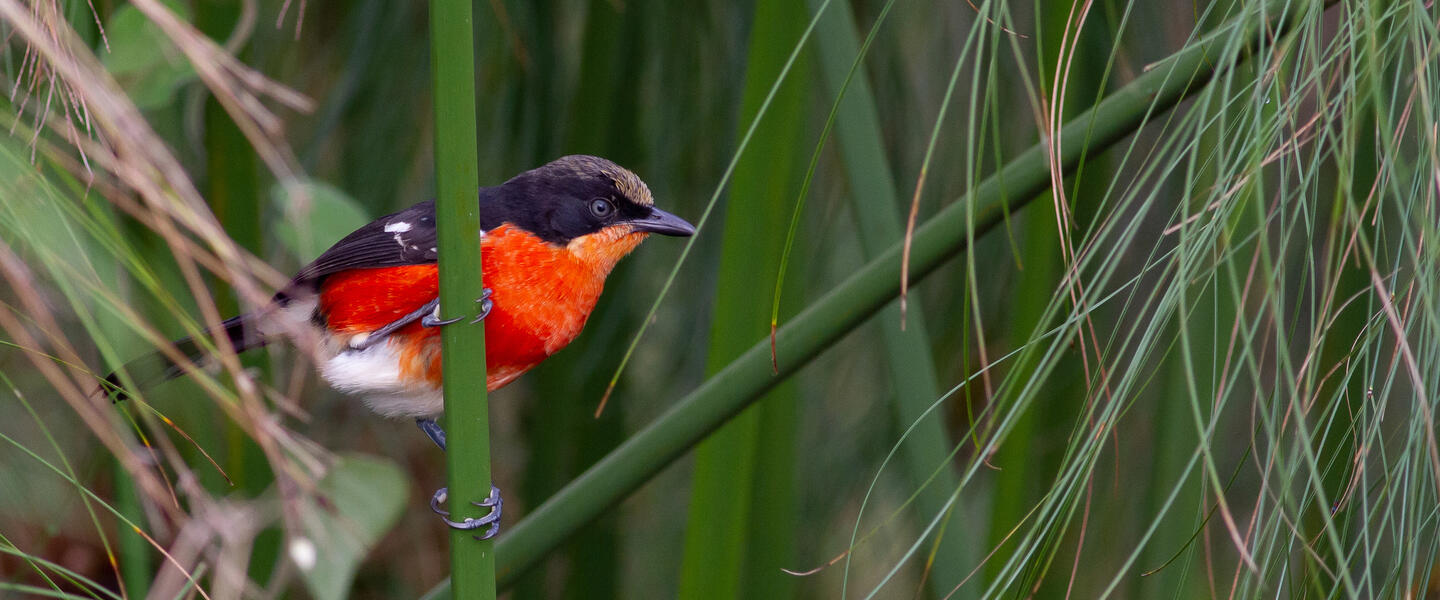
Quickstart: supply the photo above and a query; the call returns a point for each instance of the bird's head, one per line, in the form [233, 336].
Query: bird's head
[595, 208]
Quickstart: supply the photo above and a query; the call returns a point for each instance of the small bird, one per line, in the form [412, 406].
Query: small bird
[549, 238]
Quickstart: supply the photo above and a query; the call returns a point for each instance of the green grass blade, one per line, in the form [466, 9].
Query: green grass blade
[1083, 70]
[740, 530]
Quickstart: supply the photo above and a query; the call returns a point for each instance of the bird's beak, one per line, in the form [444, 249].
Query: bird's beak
[663, 223]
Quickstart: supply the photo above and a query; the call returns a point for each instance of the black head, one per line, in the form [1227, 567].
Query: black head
[575, 196]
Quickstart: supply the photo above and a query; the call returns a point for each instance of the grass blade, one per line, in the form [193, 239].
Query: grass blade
[743, 500]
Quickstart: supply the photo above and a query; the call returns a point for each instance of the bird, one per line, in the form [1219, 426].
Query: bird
[549, 238]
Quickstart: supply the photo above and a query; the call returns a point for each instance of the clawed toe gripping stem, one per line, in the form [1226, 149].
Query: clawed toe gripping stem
[437, 435]
[433, 319]
[494, 503]
[491, 519]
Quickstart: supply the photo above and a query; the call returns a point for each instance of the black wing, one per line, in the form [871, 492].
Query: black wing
[403, 238]
[408, 237]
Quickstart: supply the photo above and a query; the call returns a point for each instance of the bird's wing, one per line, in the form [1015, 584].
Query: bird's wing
[403, 238]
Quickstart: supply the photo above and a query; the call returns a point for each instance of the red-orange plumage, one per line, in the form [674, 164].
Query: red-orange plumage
[550, 237]
[542, 295]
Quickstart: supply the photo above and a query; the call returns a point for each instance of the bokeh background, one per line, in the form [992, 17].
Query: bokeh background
[1201, 371]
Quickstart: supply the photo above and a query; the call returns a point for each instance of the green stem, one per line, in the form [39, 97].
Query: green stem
[457, 219]
[873, 286]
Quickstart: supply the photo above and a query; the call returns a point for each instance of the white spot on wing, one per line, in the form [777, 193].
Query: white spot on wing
[398, 228]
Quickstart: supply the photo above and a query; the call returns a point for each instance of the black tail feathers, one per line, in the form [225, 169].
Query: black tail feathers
[156, 368]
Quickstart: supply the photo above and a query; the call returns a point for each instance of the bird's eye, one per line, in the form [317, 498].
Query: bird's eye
[601, 208]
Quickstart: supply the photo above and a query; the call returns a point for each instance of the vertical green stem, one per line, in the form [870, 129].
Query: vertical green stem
[457, 218]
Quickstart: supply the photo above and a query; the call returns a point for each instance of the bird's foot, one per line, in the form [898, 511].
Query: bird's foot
[485, 305]
[432, 429]
[433, 319]
[491, 519]
[423, 314]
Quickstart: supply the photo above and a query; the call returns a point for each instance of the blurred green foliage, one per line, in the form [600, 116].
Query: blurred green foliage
[146, 64]
[1231, 305]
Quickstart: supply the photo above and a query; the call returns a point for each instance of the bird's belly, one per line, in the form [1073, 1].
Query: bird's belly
[376, 374]
[402, 377]
[517, 338]
[542, 297]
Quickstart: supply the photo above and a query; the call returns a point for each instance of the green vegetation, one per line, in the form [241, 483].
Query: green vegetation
[1167, 324]
[741, 528]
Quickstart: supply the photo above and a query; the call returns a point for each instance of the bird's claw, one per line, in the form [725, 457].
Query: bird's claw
[426, 314]
[493, 502]
[491, 519]
[433, 319]
[485, 305]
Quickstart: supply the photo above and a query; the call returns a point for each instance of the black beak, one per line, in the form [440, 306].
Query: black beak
[663, 223]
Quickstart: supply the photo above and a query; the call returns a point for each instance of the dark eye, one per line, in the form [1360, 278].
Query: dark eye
[601, 208]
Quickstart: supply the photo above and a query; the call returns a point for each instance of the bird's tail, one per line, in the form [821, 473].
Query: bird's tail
[156, 367]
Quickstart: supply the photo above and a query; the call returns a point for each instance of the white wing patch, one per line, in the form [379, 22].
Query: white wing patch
[399, 228]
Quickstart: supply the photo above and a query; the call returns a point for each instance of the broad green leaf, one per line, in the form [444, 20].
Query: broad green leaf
[314, 215]
[148, 66]
[366, 495]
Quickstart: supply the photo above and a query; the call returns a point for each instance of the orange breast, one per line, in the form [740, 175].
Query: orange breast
[542, 295]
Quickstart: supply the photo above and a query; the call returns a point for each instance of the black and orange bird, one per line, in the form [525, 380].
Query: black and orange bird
[549, 238]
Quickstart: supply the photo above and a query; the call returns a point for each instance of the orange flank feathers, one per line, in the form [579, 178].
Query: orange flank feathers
[542, 292]
[362, 300]
[549, 238]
